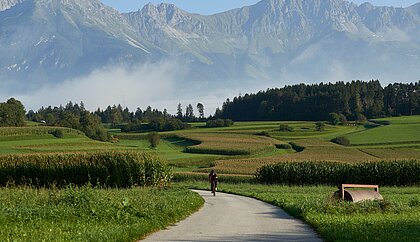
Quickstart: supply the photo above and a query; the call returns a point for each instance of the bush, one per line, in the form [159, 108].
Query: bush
[343, 120]
[341, 141]
[286, 128]
[297, 147]
[360, 119]
[154, 139]
[114, 169]
[389, 173]
[320, 126]
[284, 146]
[156, 124]
[333, 118]
[58, 133]
[219, 123]
[263, 133]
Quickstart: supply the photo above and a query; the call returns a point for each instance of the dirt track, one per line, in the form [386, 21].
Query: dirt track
[228, 217]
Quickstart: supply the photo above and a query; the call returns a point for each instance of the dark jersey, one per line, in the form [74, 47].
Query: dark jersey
[212, 177]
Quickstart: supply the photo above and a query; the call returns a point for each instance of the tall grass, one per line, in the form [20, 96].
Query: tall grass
[91, 214]
[392, 173]
[111, 169]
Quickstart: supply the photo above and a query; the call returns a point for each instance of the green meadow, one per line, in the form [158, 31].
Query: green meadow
[236, 153]
[91, 214]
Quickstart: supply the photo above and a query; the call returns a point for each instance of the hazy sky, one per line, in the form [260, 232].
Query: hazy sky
[215, 6]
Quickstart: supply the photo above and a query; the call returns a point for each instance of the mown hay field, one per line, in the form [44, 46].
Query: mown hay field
[314, 150]
[229, 144]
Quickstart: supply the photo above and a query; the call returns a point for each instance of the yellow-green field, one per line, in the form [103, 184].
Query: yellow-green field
[241, 148]
[236, 153]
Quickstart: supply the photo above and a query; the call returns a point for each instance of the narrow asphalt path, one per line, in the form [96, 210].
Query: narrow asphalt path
[227, 217]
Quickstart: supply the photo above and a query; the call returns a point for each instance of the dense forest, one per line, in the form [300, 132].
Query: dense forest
[317, 101]
[77, 117]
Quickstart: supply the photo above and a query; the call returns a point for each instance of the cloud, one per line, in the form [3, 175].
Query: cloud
[131, 86]
[159, 85]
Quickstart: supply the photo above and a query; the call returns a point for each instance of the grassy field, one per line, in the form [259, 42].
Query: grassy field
[400, 133]
[394, 219]
[235, 152]
[245, 146]
[36, 139]
[88, 214]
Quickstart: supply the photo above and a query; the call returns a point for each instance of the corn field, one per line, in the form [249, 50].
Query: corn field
[110, 169]
[389, 173]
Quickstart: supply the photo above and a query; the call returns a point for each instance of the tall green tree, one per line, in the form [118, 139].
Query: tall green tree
[189, 113]
[12, 113]
[200, 108]
[179, 111]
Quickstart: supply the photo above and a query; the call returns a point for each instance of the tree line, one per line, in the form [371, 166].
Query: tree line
[77, 117]
[354, 100]
[116, 114]
[73, 116]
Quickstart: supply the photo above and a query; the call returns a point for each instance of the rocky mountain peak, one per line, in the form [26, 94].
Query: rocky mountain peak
[164, 13]
[264, 40]
[6, 4]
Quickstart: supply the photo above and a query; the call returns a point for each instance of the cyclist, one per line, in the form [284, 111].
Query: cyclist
[213, 181]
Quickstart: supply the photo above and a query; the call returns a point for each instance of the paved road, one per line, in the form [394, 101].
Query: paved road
[228, 217]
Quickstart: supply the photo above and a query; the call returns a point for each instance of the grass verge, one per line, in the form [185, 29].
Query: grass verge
[90, 214]
[394, 219]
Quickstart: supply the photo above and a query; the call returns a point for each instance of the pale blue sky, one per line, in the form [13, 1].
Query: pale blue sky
[215, 6]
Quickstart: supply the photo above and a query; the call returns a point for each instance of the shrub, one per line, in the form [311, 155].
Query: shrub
[154, 139]
[343, 120]
[284, 146]
[228, 122]
[156, 124]
[286, 128]
[263, 133]
[297, 147]
[320, 126]
[219, 123]
[333, 118]
[360, 119]
[341, 141]
[58, 133]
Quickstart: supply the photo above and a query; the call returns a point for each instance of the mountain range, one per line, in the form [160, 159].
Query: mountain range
[50, 41]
